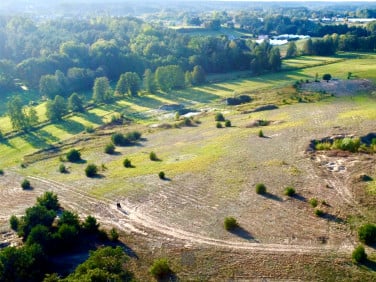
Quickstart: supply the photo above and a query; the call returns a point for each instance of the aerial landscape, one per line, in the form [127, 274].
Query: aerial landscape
[187, 140]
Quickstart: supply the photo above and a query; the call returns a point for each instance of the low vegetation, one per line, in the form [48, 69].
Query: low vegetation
[127, 163]
[219, 117]
[289, 191]
[162, 175]
[109, 148]
[25, 184]
[153, 156]
[73, 156]
[230, 223]
[160, 268]
[91, 170]
[313, 202]
[367, 233]
[359, 254]
[260, 189]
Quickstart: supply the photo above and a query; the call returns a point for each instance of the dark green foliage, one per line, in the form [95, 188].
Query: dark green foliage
[219, 125]
[1, 171]
[16, 114]
[219, 117]
[162, 175]
[319, 212]
[67, 236]
[73, 156]
[75, 103]
[14, 222]
[169, 77]
[327, 77]
[40, 234]
[128, 83]
[198, 75]
[89, 129]
[133, 136]
[90, 225]
[261, 133]
[113, 235]
[160, 268]
[313, 202]
[120, 140]
[62, 168]
[367, 233]
[49, 201]
[153, 156]
[25, 184]
[359, 254]
[289, 191]
[109, 148]
[91, 170]
[101, 90]
[228, 123]
[230, 223]
[232, 101]
[127, 163]
[34, 216]
[260, 188]
[56, 109]
[104, 264]
[69, 218]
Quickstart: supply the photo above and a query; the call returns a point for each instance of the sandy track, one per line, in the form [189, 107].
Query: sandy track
[129, 218]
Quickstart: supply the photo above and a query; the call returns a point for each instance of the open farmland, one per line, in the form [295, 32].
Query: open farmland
[212, 172]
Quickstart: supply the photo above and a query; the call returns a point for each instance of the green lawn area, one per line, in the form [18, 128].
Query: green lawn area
[264, 88]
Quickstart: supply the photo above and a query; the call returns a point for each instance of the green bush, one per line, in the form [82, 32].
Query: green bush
[321, 146]
[219, 125]
[230, 223]
[127, 163]
[260, 188]
[73, 155]
[261, 133]
[1, 171]
[219, 117]
[162, 175]
[160, 268]
[120, 140]
[228, 123]
[25, 184]
[359, 254]
[133, 135]
[89, 129]
[319, 212]
[367, 233]
[289, 191]
[14, 222]
[62, 168]
[109, 148]
[313, 202]
[114, 235]
[153, 156]
[91, 170]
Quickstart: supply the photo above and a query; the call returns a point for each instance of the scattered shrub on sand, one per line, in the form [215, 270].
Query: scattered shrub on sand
[260, 188]
[230, 223]
[289, 191]
[73, 155]
[313, 202]
[228, 123]
[319, 212]
[367, 233]
[160, 268]
[359, 254]
[109, 148]
[153, 156]
[261, 133]
[219, 125]
[25, 184]
[162, 175]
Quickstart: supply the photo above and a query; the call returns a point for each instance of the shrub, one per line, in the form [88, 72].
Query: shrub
[127, 163]
[367, 233]
[120, 140]
[162, 175]
[219, 117]
[359, 254]
[62, 168]
[89, 129]
[1, 171]
[25, 184]
[260, 133]
[230, 223]
[187, 121]
[91, 170]
[228, 123]
[109, 148]
[289, 191]
[313, 202]
[319, 212]
[153, 156]
[160, 268]
[133, 136]
[114, 235]
[90, 224]
[327, 77]
[323, 146]
[260, 188]
[73, 155]
[14, 222]
[263, 122]
[219, 125]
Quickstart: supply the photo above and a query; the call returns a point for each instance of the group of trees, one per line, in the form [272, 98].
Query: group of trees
[45, 236]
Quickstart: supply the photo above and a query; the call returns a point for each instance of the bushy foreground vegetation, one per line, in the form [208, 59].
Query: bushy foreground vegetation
[45, 235]
[347, 144]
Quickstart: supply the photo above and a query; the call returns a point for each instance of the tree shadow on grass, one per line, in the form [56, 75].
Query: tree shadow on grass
[5, 142]
[272, 197]
[35, 141]
[242, 233]
[370, 264]
[70, 126]
[92, 117]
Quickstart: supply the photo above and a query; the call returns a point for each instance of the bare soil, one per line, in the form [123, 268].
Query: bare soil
[339, 87]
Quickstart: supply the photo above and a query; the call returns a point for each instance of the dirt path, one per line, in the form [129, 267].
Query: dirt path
[129, 218]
